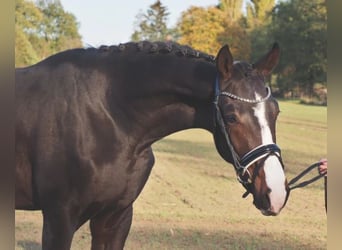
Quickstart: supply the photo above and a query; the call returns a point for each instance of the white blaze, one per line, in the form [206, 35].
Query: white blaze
[274, 174]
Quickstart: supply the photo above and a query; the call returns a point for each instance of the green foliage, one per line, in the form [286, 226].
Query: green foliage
[261, 9]
[24, 52]
[300, 26]
[207, 29]
[43, 28]
[27, 15]
[27, 19]
[152, 25]
[258, 16]
[232, 8]
[58, 30]
[200, 28]
[236, 35]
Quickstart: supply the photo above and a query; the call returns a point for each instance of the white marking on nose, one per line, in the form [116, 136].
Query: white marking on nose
[274, 173]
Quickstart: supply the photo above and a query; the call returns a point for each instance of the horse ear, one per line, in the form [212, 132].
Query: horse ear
[268, 62]
[224, 62]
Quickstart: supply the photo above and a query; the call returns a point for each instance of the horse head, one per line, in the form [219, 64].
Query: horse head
[245, 128]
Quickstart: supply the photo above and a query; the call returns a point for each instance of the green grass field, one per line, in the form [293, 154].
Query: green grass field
[193, 201]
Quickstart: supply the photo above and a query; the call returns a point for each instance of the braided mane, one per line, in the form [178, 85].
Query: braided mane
[156, 47]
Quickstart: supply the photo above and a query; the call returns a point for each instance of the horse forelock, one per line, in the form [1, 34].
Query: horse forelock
[245, 69]
[247, 81]
[147, 47]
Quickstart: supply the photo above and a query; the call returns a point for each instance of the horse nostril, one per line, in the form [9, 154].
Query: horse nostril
[263, 202]
[267, 201]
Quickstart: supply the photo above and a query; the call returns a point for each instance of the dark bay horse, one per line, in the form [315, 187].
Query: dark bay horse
[86, 120]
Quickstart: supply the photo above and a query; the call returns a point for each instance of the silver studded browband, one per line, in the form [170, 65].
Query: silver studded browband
[246, 99]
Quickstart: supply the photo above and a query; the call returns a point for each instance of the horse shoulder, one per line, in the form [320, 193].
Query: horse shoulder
[126, 179]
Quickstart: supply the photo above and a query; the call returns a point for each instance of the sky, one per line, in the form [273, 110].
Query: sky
[109, 22]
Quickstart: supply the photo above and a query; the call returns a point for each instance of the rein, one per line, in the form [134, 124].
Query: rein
[292, 184]
[241, 165]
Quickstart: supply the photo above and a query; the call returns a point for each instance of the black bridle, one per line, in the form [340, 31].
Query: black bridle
[242, 164]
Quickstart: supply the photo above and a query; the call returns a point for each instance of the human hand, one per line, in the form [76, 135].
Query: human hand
[323, 167]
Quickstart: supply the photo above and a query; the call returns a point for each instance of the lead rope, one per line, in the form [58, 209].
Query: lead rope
[326, 193]
[303, 173]
[307, 182]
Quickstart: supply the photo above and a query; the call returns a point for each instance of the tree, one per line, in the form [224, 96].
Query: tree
[43, 28]
[58, 29]
[24, 52]
[260, 10]
[232, 8]
[258, 16]
[300, 26]
[27, 19]
[234, 32]
[152, 25]
[236, 36]
[207, 29]
[200, 28]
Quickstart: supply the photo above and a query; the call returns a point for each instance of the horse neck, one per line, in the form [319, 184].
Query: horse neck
[163, 96]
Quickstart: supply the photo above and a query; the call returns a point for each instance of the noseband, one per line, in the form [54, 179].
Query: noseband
[242, 164]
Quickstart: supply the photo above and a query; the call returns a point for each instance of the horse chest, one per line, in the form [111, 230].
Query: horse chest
[121, 183]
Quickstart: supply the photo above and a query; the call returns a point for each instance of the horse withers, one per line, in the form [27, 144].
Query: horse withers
[86, 120]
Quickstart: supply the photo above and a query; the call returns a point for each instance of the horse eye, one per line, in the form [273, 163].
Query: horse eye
[231, 118]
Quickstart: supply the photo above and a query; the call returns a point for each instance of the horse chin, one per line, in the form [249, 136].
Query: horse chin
[268, 212]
